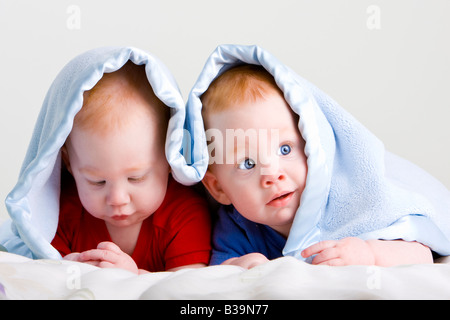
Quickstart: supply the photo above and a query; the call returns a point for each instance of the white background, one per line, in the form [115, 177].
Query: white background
[387, 62]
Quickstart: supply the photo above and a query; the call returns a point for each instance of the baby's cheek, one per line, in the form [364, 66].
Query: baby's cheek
[92, 204]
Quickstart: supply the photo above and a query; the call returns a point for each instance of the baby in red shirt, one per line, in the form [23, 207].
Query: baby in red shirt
[119, 205]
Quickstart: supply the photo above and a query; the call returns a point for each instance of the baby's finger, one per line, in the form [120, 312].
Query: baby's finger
[338, 262]
[108, 245]
[98, 254]
[94, 263]
[106, 264]
[72, 256]
[325, 255]
[318, 247]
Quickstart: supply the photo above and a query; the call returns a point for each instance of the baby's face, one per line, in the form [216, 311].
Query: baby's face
[122, 175]
[260, 166]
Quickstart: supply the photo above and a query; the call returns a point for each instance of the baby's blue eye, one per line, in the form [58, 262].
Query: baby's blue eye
[247, 164]
[285, 149]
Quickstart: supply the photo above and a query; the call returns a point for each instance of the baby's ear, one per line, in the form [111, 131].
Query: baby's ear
[214, 188]
[65, 158]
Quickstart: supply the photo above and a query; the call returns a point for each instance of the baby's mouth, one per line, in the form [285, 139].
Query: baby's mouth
[120, 217]
[281, 199]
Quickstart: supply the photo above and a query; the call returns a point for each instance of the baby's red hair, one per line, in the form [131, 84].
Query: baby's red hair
[108, 105]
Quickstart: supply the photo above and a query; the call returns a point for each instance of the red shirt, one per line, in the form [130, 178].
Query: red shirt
[178, 233]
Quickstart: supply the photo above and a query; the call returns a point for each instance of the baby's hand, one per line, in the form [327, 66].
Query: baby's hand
[248, 261]
[74, 256]
[108, 255]
[347, 251]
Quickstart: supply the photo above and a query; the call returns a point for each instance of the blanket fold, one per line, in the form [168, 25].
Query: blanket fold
[354, 186]
[33, 204]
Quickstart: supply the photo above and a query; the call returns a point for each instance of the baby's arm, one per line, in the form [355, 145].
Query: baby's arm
[353, 251]
[391, 253]
[247, 261]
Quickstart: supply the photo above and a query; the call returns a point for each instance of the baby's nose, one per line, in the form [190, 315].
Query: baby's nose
[270, 176]
[118, 196]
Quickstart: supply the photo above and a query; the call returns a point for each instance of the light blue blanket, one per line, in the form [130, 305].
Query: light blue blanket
[354, 186]
[33, 204]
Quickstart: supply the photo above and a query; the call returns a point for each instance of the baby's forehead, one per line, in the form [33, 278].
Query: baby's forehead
[133, 141]
[265, 109]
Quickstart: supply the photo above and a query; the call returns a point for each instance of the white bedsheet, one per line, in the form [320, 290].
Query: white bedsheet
[284, 278]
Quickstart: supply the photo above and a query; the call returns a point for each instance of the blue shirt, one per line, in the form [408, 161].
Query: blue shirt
[235, 236]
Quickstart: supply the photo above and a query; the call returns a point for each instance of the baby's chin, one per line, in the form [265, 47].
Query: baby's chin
[282, 218]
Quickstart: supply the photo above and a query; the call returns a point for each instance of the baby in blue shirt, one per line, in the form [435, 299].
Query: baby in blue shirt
[258, 171]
